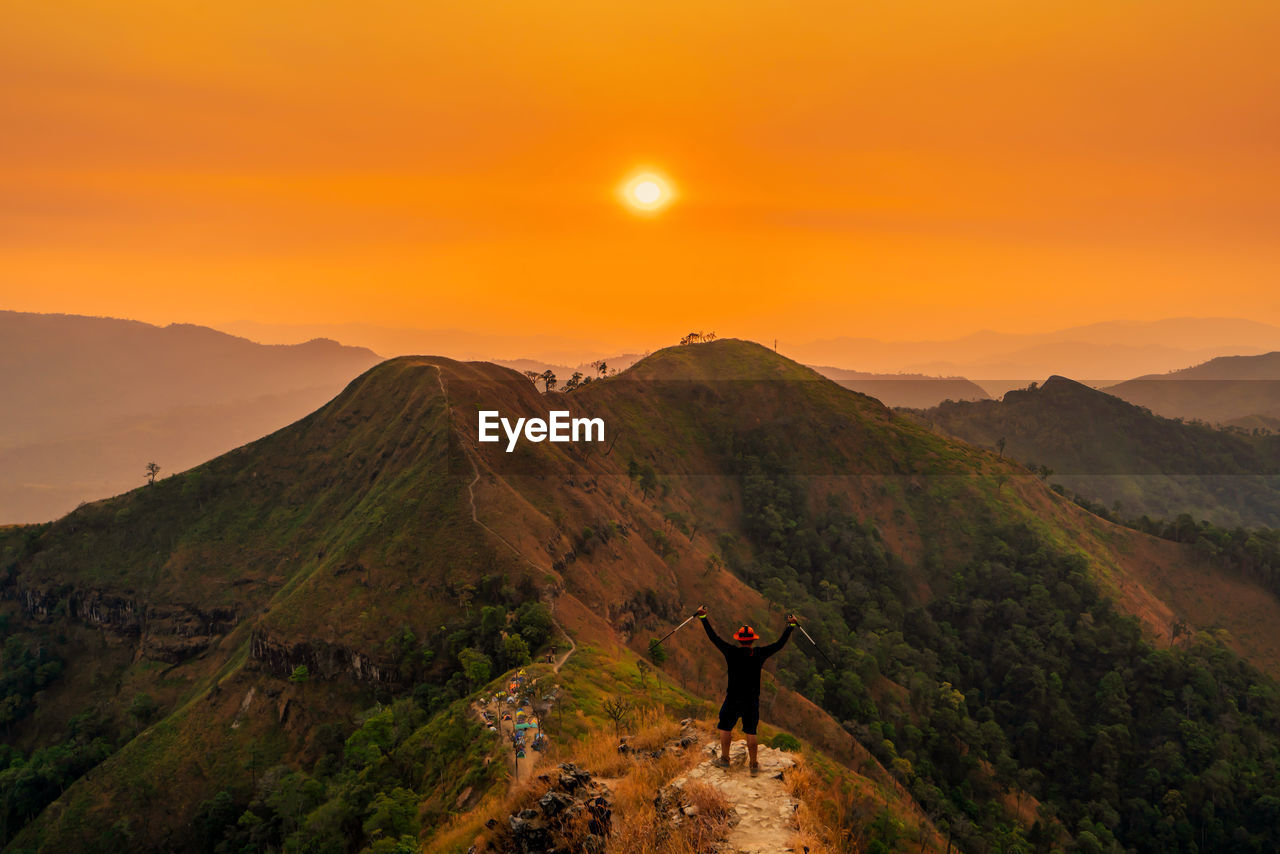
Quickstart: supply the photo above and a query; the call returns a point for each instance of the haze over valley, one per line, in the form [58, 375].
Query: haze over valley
[95, 400]
[91, 401]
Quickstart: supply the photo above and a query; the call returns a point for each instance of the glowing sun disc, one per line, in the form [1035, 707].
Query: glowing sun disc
[647, 192]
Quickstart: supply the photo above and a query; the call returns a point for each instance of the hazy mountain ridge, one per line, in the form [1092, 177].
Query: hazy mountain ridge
[452, 342]
[91, 400]
[1108, 449]
[1105, 352]
[619, 362]
[1223, 390]
[906, 390]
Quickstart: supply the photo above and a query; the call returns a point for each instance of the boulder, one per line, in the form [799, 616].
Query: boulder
[554, 802]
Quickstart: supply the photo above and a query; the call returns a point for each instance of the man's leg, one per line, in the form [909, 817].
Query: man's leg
[728, 717]
[751, 720]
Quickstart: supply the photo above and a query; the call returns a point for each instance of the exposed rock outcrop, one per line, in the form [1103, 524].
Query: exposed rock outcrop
[322, 660]
[574, 814]
[689, 736]
[171, 632]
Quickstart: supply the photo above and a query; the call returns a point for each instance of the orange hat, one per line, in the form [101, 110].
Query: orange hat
[745, 634]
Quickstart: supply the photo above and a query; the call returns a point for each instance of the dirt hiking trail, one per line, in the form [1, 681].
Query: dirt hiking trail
[763, 819]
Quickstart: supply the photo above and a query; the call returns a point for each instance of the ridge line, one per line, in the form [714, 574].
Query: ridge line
[475, 517]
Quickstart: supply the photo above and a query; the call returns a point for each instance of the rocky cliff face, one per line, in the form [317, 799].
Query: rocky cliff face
[323, 660]
[171, 632]
[175, 632]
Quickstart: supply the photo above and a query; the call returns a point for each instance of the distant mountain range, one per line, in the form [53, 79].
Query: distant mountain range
[620, 362]
[1239, 390]
[94, 399]
[456, 343]
[1098, 354]
[90, 401]
[1107, 449]
[907, 390]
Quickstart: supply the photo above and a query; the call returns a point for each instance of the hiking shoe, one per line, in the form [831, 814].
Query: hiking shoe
[720, 762]
[755, 770]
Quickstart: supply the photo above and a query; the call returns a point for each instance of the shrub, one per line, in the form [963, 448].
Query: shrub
[785, 741]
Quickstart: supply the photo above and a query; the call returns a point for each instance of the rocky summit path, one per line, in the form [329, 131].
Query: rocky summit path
[765, 812]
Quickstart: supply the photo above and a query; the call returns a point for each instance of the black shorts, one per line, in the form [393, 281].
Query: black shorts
[737, 707]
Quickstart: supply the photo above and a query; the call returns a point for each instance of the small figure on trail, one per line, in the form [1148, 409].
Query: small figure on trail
[742, 696]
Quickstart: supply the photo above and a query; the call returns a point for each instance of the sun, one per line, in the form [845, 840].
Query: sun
[647, 192]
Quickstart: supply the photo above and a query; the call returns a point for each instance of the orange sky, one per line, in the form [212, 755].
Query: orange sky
[887, 168]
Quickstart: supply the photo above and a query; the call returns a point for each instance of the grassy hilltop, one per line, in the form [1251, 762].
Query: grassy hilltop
[278, 649]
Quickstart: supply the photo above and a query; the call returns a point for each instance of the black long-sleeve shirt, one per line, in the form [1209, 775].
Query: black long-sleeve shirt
[744, 662]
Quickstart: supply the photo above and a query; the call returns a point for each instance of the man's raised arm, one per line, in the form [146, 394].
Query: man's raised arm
[720, 643]
[782, 641]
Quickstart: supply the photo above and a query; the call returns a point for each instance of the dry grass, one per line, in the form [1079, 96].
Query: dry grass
[640, 829]
[469, 829]
[708, 800]
[710, 823]
[598, 752]
[837, 808]
[653, 728]
[821, 818]
[807, 842]
[463, 831]
[634, 779]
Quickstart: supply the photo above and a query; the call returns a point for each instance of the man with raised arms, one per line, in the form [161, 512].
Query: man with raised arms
[742, 696]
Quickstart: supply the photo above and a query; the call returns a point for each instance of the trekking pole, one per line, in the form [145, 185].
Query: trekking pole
[815, 646]
[676, 629]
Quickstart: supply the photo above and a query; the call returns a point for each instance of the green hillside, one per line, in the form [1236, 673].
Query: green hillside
[276, 650]
[1106, 449]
